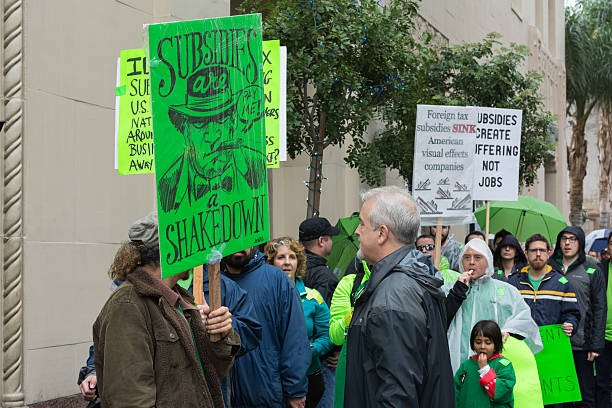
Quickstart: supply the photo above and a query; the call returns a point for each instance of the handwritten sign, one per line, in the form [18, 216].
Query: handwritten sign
[556, 368]
[208, 109]
[443, 157]
[134, 130]
[271, 68]
[497, 154]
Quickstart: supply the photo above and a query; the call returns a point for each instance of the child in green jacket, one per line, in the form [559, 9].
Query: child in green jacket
[486, 379]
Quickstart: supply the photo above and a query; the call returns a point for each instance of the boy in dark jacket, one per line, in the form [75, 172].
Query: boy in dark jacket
[569, 258]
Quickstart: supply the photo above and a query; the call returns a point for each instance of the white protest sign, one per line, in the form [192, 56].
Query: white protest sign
[117, 100]
[497, 153]
[443, 159]
[283, 105]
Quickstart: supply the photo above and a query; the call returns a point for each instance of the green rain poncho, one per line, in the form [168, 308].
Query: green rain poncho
[489, 299]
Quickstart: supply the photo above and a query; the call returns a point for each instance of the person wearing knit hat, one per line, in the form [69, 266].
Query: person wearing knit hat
[152, 343]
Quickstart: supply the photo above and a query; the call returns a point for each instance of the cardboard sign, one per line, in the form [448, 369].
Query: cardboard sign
[556, 368]
[134, 126]
[497, 154]
[208, 118]
[443, 158]
[271, 68]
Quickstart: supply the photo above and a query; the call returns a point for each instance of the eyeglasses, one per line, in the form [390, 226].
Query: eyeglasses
[535, 250]
[427, 247]
[569, 238]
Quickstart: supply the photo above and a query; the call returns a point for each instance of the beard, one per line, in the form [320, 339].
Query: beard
[240, 259]
[184, 275]
[538, 264]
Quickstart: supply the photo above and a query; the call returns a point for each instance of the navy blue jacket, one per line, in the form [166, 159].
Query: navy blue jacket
[244, 317]
[554, 302]
[276, 370]
[244, 321]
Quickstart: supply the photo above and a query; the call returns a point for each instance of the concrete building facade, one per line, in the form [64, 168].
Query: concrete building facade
[64, 208]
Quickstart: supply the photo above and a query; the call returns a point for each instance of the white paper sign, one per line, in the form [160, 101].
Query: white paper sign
[443, 159]
[282, 102]
[117, 99]
[497, 154]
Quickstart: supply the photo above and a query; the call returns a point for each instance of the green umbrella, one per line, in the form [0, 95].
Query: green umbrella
[345, 245]
[523, 218]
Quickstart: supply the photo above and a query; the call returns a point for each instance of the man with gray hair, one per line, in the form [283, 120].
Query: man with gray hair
[397, 351]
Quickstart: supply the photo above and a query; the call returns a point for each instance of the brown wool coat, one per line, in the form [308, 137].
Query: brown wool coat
[144, 354]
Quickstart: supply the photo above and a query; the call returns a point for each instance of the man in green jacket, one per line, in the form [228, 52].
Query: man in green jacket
[152, 344]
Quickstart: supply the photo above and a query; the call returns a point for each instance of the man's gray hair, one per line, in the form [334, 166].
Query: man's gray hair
[395, 208]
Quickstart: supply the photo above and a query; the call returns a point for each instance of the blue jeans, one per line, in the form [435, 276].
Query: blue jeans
[329, 377]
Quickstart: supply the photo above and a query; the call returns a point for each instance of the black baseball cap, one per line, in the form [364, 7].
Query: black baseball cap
[313, 228]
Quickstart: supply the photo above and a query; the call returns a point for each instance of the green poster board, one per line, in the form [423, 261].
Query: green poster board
[135, 130]
[556, 367]
[271, 68]
[208, 109]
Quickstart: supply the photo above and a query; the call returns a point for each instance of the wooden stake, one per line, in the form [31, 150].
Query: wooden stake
[198, 282]
[438, 249]
[214, 291]
[487, 223]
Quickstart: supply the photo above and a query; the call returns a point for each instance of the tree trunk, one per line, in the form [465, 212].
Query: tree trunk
[576, 163]
[604, 143]
[316, 172]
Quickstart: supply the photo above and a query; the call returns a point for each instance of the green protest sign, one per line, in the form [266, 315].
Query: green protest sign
[556, 367]
[208, 108]
[135, 131]
[271, 68]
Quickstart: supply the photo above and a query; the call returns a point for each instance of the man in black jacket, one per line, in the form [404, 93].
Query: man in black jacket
[603, 363]
[316, 236]
[569, 258]
[397, 350]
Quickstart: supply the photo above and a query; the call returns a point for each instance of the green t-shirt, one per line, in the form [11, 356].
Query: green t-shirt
[535, 283]
[609, 295]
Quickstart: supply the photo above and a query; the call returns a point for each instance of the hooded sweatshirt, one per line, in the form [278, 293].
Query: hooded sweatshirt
[399, 314]
[489, 299]
[588, 283]
[520, 260]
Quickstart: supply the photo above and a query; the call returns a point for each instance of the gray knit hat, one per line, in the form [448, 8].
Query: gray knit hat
[146, 230]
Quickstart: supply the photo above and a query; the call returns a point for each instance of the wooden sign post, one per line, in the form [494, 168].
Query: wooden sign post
[487, 222]
[438, 249]
[214, 291]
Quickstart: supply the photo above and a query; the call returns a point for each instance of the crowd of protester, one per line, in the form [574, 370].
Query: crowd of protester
[394, 331]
